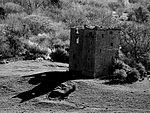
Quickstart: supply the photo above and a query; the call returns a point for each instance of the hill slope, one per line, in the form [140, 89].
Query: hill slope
[91, 96]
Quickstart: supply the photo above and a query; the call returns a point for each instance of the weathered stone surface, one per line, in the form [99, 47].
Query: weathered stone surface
[92, 50]
[62, 91]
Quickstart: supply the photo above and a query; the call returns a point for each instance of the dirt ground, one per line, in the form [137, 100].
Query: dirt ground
[91, 96]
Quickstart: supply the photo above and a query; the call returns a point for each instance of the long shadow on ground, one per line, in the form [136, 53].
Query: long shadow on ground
[46, 82]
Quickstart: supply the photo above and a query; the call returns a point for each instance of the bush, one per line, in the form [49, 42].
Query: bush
[133, 76]
[141, 70]
[57, 43]
[114, 5]
[118, 64]
[60, 55]
[13, 32]
[138, 14]
[16, 47]
[43, 40]
[124, 72]
[74, 16]
[122, 57]
[44, 43]
[34, 48]
[11, 7]
[41, 24]
[64, 35]
[4, 48]
[12, 47]
[99, 17]
[17, 25]
[2, 13]
[94, 4]
[55, 2]
[67, 44]
[120, 74]
[16, 30]
[53, 12]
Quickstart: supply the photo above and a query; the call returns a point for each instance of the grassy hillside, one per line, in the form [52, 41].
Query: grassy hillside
[90, 96]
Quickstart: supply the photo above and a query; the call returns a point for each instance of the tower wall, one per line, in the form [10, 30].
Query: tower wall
[92, 50]
[88, 53]
[76, 45]
[107, 44]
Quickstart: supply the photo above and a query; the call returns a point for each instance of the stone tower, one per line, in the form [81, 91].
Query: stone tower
[92, 50]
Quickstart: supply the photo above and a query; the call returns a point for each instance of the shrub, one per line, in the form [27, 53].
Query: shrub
[122, 57]
[67, 44]
[30, 56]
[4, 48]
[2, 13]
[127, 68]
[63, 35]
[141, 70]
[55, 2]
[124, 72]
[60, 55]
[42, 40]
[120, 74]
[74, 16]
[12, 33]
[57, 43]
[61, 39]
[133, 75]
[95, 4]
[11, 46]
[138, 14]
[114, 6]
[34, 51]
[33, 47]
[41, 24]
[11, 7]
[17, 25]
[16, 47]
[118, 64]
[99, 16]
[53, 12]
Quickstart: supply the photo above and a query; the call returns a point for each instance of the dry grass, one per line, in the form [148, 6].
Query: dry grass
[91, 96]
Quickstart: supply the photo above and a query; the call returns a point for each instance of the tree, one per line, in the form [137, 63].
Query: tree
[114, 5]
[16, 47]
[135, 40]
[140, 14]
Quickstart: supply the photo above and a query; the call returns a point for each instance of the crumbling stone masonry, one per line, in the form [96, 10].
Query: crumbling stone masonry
[92, 50]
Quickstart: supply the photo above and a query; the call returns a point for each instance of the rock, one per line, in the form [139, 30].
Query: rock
[62, 91]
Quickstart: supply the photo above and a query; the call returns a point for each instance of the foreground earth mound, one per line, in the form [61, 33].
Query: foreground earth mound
[62, 91]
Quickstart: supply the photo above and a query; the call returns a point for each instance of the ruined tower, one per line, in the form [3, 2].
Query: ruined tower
[92, 50]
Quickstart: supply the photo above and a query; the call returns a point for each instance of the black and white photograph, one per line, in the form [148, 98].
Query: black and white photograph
[74, 56]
